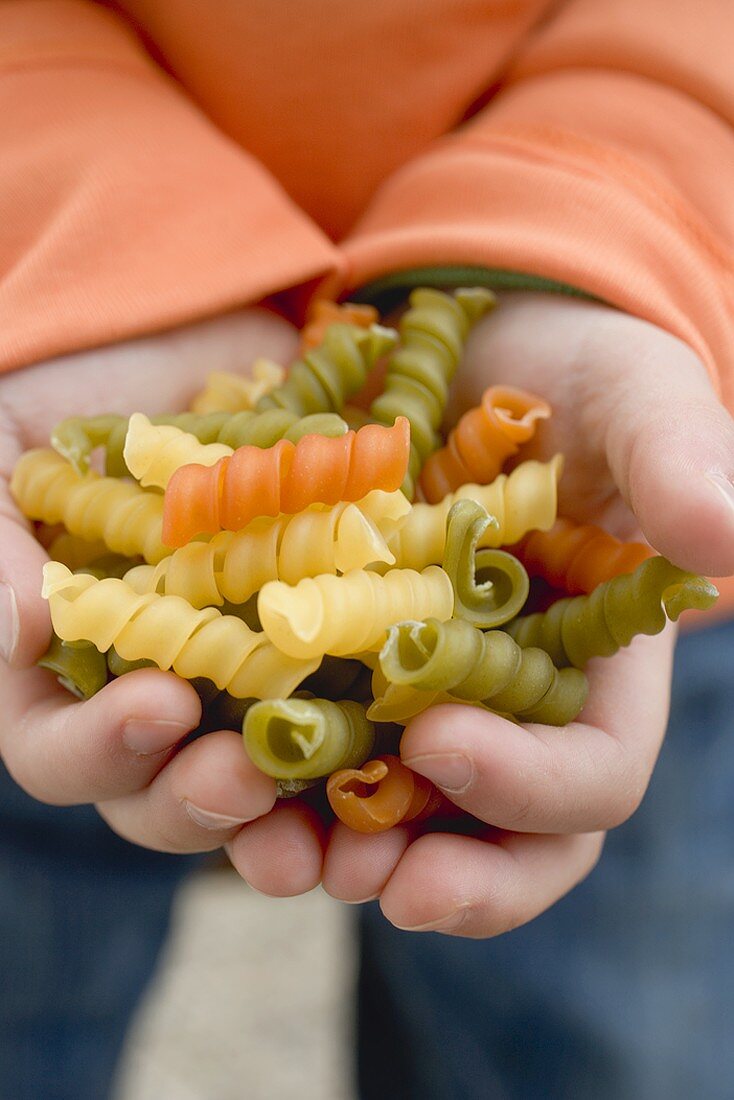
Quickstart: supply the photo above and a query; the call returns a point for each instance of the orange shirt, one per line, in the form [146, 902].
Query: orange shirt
[164, 160]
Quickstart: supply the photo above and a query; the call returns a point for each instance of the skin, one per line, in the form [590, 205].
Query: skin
[638, 420]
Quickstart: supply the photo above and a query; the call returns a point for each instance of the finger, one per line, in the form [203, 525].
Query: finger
[357, 865]
[478, 888]
[198, 801]
[670, 447]
[65, 752]
[281, 854]
[25, 624]
[587, 776]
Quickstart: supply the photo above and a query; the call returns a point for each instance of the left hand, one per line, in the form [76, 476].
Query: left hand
[640, 426]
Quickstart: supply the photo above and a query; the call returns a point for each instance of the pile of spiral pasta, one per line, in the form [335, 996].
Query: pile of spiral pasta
[269, 547]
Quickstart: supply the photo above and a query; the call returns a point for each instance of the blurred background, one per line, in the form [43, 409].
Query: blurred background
[253, 997]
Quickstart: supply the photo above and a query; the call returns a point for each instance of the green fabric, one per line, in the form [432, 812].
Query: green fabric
[389, 291]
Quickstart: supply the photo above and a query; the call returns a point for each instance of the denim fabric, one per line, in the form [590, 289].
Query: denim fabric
[622, 991]
[83, 916]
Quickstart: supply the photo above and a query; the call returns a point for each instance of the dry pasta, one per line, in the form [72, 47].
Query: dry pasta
[578, 556]
[226, 392]
[488, 666]
[482, 440]
[285, 478]
[349, 614]
[576, 629]
[327, 376]
[168, 631]
[306, 738]
[503, 588]
[432, 331]
[519, 502]
[234, 565]
[125, 517]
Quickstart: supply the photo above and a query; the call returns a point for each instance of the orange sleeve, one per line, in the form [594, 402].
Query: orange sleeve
[123, 209]
[605, 162]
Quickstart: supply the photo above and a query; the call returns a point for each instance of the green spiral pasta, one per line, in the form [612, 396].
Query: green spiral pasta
[576, 629]
[127, 518]
[522, 501]
[504, 589]
[168, 631]
[307, 738]
[489, 667]
[327, 376]
[432, 331]
[75, 439]
[80, 667]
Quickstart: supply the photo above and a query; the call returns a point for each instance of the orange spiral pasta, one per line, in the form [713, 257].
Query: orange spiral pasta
[380, 794]
[285, 478]
[324, 313]
[482, 440]
[578, 557]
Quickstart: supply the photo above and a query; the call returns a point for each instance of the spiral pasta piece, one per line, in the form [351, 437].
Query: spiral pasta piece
[432, 331]
[285, 478]
[502, 592]
[75, 439]
[379, 795]
[578, 557]
[327, 376]
[306, 738]
[489, 667]
[226, 392]
[575, 629]
[80, 668]
[234, 565]
[324, 313]
[520, 501]
[349, 614]
[125, 517]
[482, 440]
[168, 631]
[153, 452]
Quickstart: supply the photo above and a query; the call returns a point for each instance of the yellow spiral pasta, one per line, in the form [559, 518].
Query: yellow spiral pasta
[153, 452]
[349, 614]
[235, 564]
[168, 631]
[521, 501]
[225, 392]
[125, 517]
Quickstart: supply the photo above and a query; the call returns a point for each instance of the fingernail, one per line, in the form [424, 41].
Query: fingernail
[450, 771]
[724, 485]
[9, 622]
[149, 738]
[209, 820]
[450, 923]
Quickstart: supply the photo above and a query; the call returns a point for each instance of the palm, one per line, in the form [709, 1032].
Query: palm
[627, 398]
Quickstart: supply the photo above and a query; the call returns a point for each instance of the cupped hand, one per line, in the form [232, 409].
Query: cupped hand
[648, 446]
[119, 749]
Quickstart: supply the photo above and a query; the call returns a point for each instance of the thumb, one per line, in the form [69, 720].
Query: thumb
[25, 625]
[670, 449]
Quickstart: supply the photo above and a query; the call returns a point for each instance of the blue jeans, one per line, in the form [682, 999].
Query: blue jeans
[625, 988]
[83, 916]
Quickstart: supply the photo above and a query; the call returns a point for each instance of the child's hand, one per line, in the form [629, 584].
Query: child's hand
[118, 748]
[637, 419]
